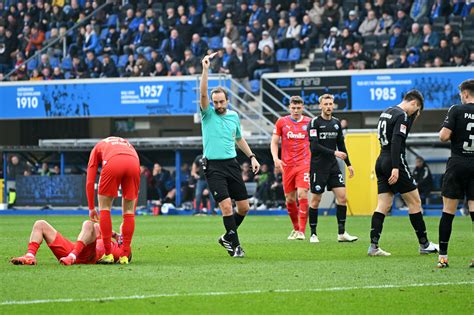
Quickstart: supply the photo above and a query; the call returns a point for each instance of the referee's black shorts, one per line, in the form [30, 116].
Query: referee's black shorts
[383, 169]
[224, 178]
[458, 181]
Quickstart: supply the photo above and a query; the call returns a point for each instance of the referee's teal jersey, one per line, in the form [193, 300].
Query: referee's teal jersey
[219, 133]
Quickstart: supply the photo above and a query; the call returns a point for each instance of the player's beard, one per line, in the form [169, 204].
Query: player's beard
[221, 110]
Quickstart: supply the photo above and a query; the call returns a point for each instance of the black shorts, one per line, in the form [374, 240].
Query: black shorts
[224, 178]
[458, 181]
[383, 169]
[322, 176]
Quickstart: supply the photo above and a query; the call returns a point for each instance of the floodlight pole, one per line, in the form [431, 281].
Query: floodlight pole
[61, 163]
[178, 177]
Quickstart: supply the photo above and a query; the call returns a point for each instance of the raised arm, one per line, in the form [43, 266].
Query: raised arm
[206, 62]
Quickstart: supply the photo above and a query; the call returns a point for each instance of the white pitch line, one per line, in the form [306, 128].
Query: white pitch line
[163, 295]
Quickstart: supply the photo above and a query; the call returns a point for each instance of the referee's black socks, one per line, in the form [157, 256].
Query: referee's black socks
[231, 230]
[341, 213]
[376, 228]
[238, 219]
[313, 220]
[472, 215]
[419, 226]
[445, 227]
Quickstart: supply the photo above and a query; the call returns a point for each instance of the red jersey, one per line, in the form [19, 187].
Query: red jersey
[100, 249]
[102, 152]
[294, 140]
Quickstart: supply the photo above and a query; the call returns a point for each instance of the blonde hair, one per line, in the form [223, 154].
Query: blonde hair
[326, 96]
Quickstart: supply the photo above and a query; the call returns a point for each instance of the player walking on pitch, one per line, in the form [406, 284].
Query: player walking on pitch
[327, 143]
[458, 180]
[393, 175]
[220, 132]
[120, 167]
[294, 163]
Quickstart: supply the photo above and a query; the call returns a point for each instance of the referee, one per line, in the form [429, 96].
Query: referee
[220, 132]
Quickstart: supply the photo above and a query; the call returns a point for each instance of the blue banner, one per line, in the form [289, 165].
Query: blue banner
[377, 92]
[99, 98]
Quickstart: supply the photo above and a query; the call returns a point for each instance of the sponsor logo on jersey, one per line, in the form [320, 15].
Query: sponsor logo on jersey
[336, 127]
[403, 129]
[298, 135]
[305, 127]
[467, 115]
[317, 188]
[313, 133]
[328, 135]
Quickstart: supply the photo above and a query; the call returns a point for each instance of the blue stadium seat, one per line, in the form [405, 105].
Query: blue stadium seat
[104, 33]
[215, 42]
[54, 61]
[100, 58]
[294, 54]
[67, 63]
[114, 58]
[282, 55]
[255, 86]
[47, 35]
[32, 64]
[67, 75]
[122, 60]
[112, 20]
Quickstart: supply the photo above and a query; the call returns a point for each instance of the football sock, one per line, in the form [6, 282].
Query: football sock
[341, 213]
[313, 220]
[238, 219]
[472, 215]
[106, 230]
[78, 247]
[376, 228]
[445, 226]
[303, 215]
[231, 230]
[418, 224]
[33, 248]
[128, 228]
[293, 213]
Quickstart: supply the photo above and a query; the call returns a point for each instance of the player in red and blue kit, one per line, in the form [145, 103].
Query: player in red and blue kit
[294, 163]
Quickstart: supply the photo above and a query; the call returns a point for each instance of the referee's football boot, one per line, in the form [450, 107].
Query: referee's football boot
[239, 252]
[227, 245]
[377, 251]
[292, 235]
[432, 248]
[442, 262]
[346, 237]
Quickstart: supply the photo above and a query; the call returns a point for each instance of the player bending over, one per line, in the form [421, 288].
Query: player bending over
[327, 143]
[393, 175]
[458, 181]
[88, 249]
[294, 163]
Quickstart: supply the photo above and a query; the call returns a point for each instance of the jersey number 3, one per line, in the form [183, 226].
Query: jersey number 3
[382, 132]
[466, 146]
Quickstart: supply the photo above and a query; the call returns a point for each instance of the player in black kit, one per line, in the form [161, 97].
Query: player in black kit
[327, 143]
[393, 175]
[458, 181]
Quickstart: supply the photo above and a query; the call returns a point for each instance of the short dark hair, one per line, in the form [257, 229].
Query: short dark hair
[415, 95]
[467, 85]
[296, 99]
[220, 89]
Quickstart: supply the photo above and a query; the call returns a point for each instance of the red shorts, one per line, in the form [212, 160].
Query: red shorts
[295, 177]
[61, 247]
[100, 250]
[121, 170]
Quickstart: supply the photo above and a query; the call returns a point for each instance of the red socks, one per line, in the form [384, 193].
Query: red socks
[106, 230]
[78, 247]
[128, 228]
[33, 248]
[303, 214]
[293, 213]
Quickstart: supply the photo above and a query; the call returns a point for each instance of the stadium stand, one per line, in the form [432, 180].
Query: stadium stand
[363, 35]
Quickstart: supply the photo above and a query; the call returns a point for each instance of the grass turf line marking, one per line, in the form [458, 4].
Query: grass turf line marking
[141, 297]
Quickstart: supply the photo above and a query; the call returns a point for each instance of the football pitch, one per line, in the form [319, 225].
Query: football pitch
[178, 267]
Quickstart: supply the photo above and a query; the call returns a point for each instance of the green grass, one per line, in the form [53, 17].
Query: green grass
[180, 255]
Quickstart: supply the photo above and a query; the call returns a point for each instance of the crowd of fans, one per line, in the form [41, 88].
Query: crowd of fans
[168, 38]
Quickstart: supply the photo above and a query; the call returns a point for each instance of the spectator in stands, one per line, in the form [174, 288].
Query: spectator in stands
[316, 13]
[369, 25]
[44, 62]
[429, 36]
[397, 40]
[256, 30]
[136, 21]
[440, 8]
[422, 175]
[35, 75]
[191, 61]
[91, 41]
[471, 60]
[281, 33]
[55, 49]
[198, 46]
[57, 74]
[419, 9]
[247, 174]
[438, 62]
[44, 171]
[444, 51]
[415, 39]
[108, 68]
[269, 12]
[217, 63]
[230, 34]
[340, 64]
[46, 73]
[426, 54]
[458, 61]
[457, 7]
[8, 44]
[151, 193]
[403, 20]
[271, 28]
[194, 19]
[330, 44]
[137, 40]
[185, 30]
[150, 18]
[159, 71]
[292, 35]
[35, 41]
[266, 40]
[380, 6]
[162, 181]
[346, 38]
[447, 33]
[175, 70]
[150, 41]
[15, 167]
[360, 54]
[216, 20]
[308, 35]
[242, 16]
[78, 68]
[256, 14]
[264, 181]
[277, 194]
[384, 24]
[173, 47]
[110, 43]
[125, 39]
[202, 188]
[21, 67]
[56, 170]
[352, 21]
[378, 61]
[143, 65]
[458, 48]
[237, 66]
[93, 64]
[330, 16]
[253, 56]
[266, 63]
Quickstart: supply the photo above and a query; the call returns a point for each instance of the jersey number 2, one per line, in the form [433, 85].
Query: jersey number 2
[382, 132]
[466, 146]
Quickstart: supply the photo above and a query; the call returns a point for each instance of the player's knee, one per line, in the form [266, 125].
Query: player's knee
[315, 200]
[342, 200]
[290, 199]
[40, 224]
[88, 225]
